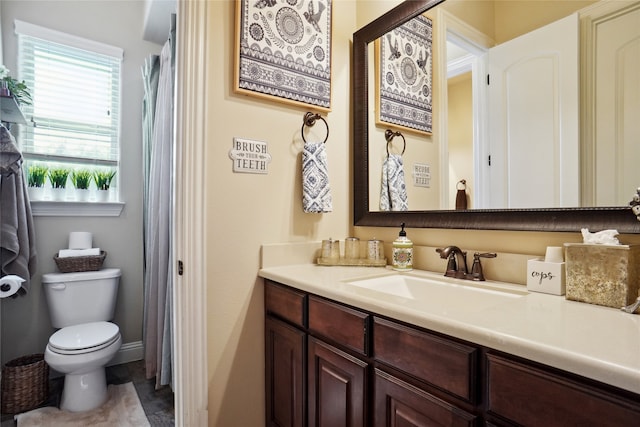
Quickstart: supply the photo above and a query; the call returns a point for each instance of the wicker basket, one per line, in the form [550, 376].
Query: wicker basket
[25, 383]
[80, 263]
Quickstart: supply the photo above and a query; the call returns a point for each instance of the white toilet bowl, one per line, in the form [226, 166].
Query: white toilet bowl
[81, 352]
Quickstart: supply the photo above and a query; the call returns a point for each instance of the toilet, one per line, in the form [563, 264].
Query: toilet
[81, 306]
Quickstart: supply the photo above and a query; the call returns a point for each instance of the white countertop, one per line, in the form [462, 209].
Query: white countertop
[589, 340]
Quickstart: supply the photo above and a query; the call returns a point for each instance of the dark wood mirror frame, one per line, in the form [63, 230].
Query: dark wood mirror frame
[555, 219]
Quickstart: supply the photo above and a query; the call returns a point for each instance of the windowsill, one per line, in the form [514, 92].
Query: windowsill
[51, 208]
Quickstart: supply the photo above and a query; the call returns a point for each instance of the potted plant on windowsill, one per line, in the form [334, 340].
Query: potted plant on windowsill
[36, 176]
[103, 182]
[58, 178]
[81, 180]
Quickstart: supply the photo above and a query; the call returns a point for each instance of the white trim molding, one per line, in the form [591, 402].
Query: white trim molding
[129, 352]
[51, 208]
[189, 293]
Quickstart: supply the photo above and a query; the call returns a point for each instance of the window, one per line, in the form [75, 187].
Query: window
[75, 115]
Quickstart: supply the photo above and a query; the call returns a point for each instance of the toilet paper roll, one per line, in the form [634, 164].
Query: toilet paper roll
[554, 254]
[80, 240]
[9, 285]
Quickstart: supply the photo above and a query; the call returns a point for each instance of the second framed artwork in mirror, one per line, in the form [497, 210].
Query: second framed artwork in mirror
[404, 72]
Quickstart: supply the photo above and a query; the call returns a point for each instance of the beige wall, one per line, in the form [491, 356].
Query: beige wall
[247, 210]
[460, 136]
[25, 321]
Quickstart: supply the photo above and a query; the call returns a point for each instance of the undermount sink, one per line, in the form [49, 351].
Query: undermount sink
[439, 293]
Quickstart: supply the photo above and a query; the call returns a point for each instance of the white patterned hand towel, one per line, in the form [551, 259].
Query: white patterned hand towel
[316, 193]
[393, 191]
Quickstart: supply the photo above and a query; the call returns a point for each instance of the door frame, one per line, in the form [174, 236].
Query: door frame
[477, 44]
[189, 293]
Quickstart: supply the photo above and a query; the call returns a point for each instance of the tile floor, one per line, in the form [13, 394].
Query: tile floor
[157, 404]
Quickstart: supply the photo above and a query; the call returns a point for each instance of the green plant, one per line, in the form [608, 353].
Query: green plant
[58, 177]
[81, 179]
[37, 174]
[103, 179]
[18, 89]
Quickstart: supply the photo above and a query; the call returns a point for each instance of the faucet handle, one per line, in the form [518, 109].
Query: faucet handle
[476, 268]
[484, 255]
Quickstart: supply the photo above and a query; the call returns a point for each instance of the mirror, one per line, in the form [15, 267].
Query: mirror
[536, 219]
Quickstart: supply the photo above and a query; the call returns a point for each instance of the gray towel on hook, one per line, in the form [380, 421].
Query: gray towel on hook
[10, 156]
[316, 193]
[393, 191]
[17, 235]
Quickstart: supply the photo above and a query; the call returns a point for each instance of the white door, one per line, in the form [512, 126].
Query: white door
[617, 108]
[533, 119]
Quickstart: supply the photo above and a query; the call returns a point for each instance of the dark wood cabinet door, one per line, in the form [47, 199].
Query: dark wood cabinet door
[337, 387]
[284, 369]
[530, 396]
[398, 403]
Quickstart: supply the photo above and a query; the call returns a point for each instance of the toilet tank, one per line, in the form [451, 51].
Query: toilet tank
[75, 298]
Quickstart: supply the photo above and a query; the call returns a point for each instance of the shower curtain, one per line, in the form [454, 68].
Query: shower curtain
[158, 74]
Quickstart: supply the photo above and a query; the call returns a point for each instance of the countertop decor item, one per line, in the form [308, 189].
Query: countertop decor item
[607, 275]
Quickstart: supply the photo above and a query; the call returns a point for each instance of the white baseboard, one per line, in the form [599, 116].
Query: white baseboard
[129, 352]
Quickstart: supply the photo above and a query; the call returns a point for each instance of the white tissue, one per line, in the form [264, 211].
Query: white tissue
[604, 237]
[66, 253]
[9, 285]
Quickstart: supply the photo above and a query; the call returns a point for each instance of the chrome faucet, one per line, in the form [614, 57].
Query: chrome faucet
[457, 263]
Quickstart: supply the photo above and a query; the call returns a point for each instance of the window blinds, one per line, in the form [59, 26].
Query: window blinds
[75, 86]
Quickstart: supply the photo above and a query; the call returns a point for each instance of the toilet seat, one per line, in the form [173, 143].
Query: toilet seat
[84, 338]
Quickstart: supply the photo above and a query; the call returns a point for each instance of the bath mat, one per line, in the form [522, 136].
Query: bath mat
[123, 409]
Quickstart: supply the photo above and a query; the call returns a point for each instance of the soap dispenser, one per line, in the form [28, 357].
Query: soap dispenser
[402, 252]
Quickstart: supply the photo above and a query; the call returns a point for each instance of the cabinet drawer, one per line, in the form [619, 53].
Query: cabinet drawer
[285, 302]
[444, 363]
[530, 396]
[343, 325]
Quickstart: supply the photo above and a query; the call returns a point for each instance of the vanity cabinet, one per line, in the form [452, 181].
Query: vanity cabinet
[329, 364]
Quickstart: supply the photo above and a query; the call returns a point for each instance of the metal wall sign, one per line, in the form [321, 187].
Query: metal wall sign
[421, 175]
[249, 156]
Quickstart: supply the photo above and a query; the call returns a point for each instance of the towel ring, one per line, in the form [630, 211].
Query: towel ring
[389, 135]
[310, 120]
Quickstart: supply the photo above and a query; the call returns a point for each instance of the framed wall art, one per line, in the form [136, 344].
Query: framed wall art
[404, 70]
[283, 51]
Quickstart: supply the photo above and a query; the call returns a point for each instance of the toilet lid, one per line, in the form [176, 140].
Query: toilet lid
[84, 336]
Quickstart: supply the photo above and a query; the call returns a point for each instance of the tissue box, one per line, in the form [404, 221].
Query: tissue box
[602, 274]
[546, 277]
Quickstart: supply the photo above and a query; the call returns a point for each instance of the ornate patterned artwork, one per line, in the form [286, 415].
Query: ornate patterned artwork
[284, 50]
[404, 75]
